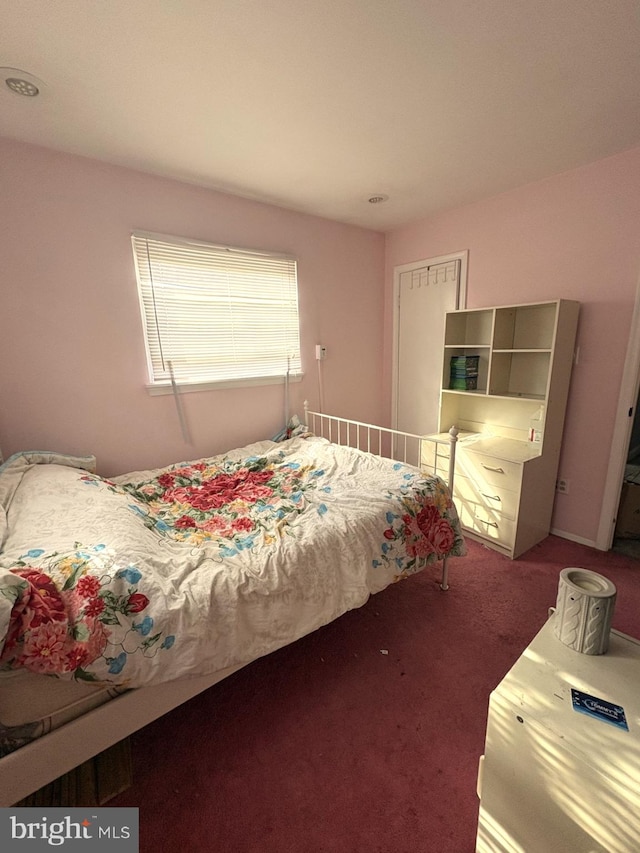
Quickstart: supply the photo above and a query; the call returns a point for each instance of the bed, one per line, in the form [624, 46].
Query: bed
[121, 598]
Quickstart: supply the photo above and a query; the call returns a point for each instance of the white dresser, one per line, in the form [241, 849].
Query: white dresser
[561, 766]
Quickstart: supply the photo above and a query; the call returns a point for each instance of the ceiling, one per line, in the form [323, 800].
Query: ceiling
[317, 106]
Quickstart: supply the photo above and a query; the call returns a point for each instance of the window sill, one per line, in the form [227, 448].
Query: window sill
[158, 388]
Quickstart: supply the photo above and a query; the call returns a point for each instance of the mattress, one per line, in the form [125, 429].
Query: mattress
[32, 705]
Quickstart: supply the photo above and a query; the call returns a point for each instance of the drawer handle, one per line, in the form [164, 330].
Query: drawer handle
[492, 497]
[495, 470]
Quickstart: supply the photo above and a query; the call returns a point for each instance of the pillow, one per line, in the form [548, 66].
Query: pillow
[293, 429]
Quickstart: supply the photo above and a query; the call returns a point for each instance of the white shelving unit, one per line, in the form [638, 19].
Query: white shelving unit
[505, 483]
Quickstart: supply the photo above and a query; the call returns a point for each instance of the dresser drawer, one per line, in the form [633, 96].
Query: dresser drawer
[494, 498]
[491, 525]
[490, 470]
[435, 458]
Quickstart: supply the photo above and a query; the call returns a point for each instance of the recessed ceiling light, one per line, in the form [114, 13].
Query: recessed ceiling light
[378, 199]
[21, 82]
[22, 87]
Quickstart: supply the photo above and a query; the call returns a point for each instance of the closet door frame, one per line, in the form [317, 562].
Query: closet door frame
[463, 258]
[627, 401]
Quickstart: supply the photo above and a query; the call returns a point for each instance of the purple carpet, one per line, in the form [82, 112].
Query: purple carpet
[363, 737]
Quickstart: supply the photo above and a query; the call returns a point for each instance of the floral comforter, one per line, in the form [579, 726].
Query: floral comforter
[190, 569]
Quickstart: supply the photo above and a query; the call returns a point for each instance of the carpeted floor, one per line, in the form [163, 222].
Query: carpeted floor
[363, 737]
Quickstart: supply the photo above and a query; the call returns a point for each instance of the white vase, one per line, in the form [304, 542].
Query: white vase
[584, 610]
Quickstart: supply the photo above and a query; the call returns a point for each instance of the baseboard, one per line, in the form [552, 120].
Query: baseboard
[573, 538]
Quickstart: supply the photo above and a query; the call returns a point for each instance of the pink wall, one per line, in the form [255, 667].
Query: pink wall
[73, 366]
[71, 347]
[574, 236]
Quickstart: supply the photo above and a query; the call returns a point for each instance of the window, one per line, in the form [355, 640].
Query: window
[216, 314]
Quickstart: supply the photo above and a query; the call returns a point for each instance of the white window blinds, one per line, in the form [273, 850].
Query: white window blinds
[215, 313]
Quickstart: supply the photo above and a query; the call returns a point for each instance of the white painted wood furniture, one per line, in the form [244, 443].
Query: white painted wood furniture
[505, 483]
[560, 770]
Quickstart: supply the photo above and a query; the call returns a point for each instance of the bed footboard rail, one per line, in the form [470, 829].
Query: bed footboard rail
[435, 454]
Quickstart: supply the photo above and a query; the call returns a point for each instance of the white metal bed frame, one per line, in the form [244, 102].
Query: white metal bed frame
[53, 754]
[395, 444]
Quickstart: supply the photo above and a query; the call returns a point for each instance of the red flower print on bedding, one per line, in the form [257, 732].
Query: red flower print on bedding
[45, 648]
[235, 505]
[185, 521]
[216, 492]
[43, 600]
[39, 603]
[427, 532]
[95, 607]
[188, 472]
[63, 622]
[41, 634]
[421, 532]
[88, 587]
[136, 603]
[442, 536]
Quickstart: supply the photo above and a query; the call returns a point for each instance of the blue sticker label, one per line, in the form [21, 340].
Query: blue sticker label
[599, 708]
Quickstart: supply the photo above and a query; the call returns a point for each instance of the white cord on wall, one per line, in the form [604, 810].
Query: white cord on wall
[320, 386]
[176, 396]
[286, 393]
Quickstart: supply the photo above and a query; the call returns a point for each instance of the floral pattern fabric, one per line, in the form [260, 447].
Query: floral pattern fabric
[193, 568]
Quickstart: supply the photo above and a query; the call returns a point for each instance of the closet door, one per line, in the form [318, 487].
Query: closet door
[424, 293]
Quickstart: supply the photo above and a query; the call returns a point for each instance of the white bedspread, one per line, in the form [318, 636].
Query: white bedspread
[190, 569]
